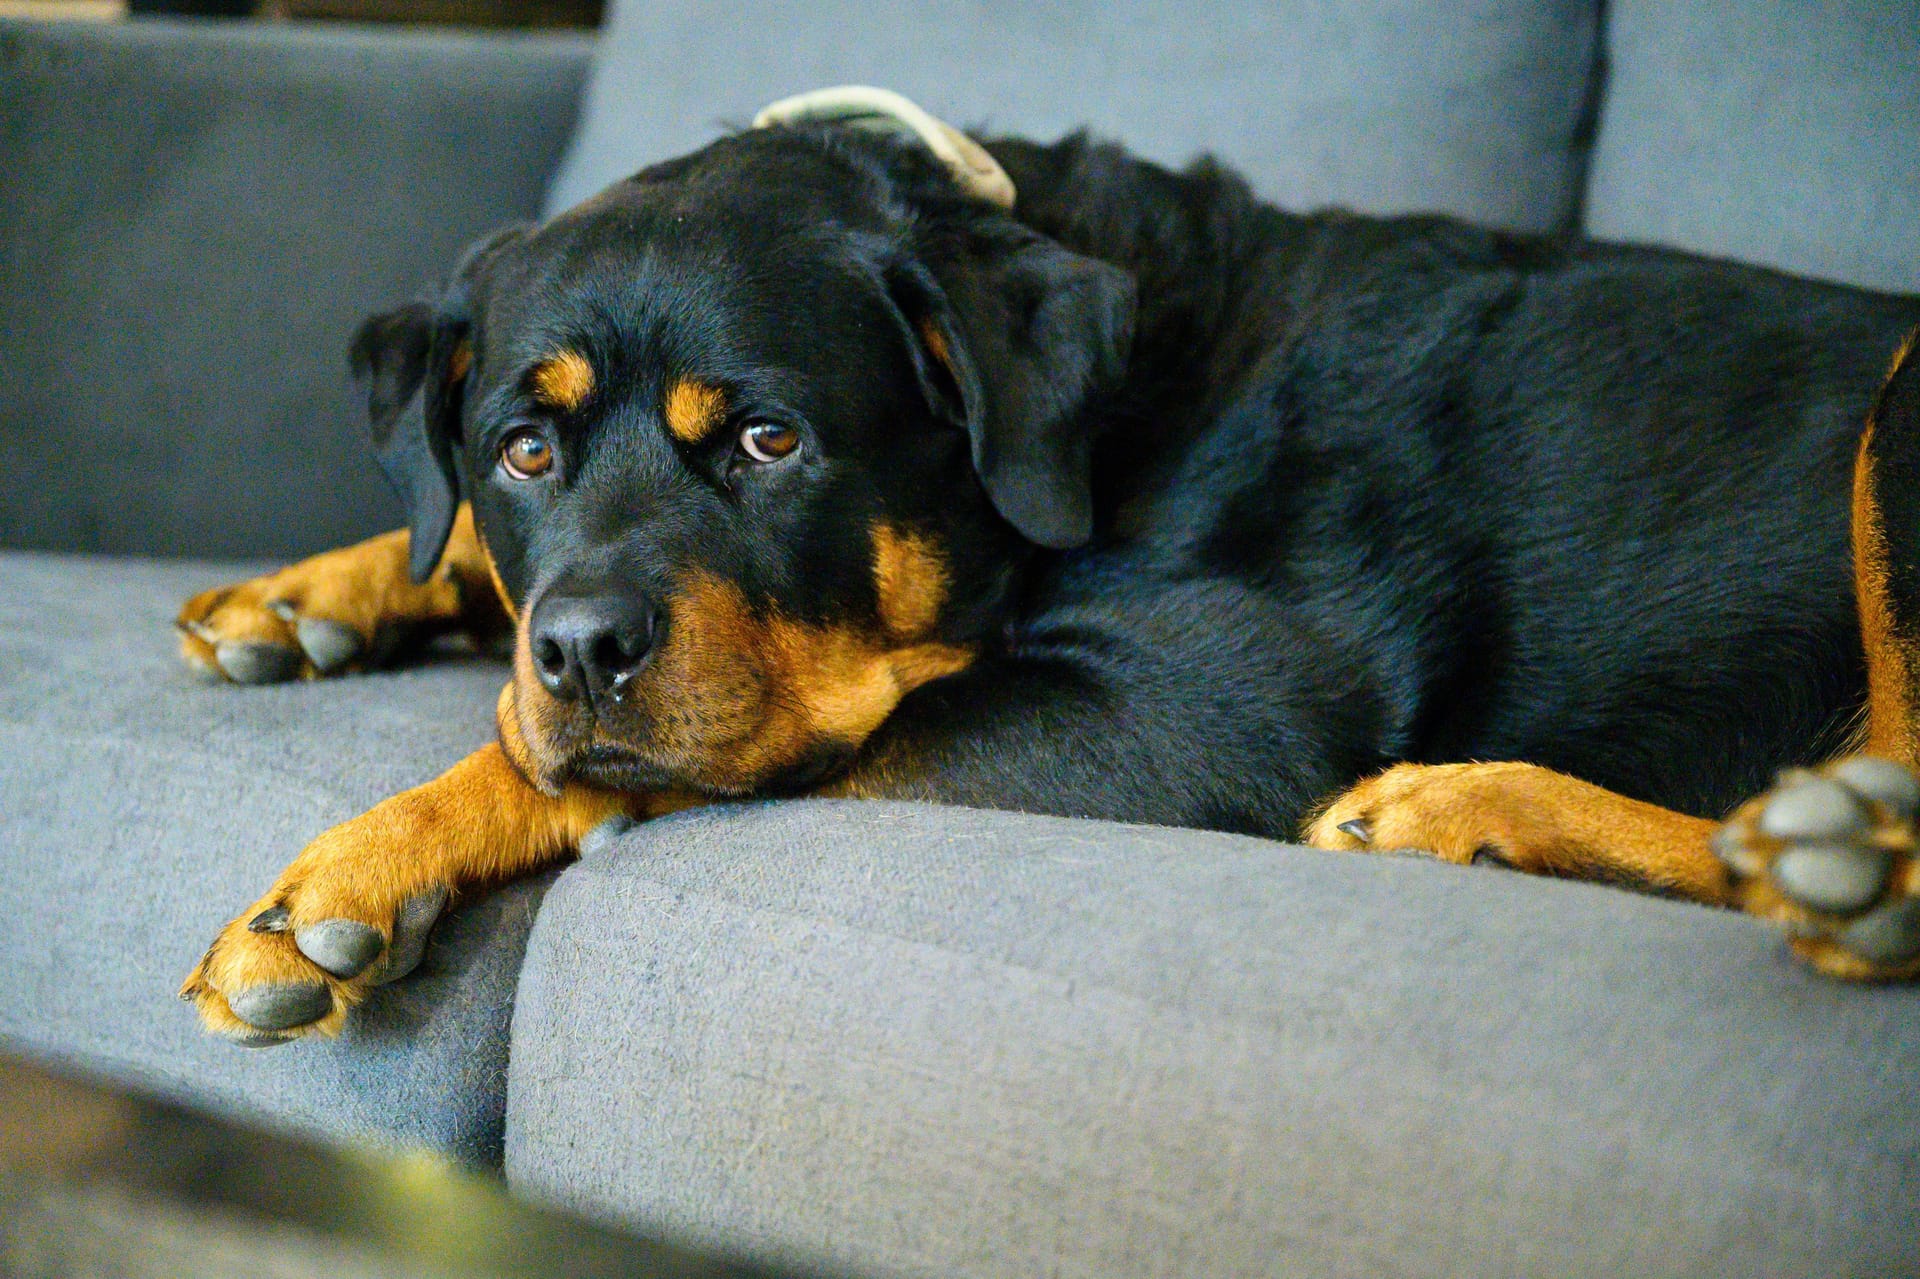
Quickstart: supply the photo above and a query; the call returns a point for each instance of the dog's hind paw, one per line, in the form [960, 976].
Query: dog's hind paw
[1830, 854]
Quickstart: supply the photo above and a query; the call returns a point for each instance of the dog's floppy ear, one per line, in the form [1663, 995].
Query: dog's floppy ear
[412, 365]
[1029, 334]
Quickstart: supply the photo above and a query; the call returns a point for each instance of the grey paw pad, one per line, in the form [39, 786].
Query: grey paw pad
[260, 1039]
[1729, 844]
[411, 928]
[1890, 935]
[281, 1005]
[1883, 780]
[251, 662]
[1836, 877]
[329, 645]
[603, 836]
[204, 668]
[1817, 808]
[344, 947]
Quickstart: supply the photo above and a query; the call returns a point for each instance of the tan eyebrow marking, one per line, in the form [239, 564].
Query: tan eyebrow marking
[693, 410]
[563, 381]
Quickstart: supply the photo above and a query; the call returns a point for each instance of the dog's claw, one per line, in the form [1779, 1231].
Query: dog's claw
[273, 919]
[1358, 829]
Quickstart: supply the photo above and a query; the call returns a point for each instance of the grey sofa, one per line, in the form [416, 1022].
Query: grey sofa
[899, 1039]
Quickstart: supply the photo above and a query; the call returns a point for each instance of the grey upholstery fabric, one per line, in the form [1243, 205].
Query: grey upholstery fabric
[195, 217]
[1774, 131]
[1469, 108]
[140, 809]
[940, 1042]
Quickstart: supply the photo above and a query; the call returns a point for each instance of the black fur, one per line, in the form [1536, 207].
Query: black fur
[1238, 505]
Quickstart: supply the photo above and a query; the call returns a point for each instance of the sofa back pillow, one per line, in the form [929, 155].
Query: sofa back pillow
[1470, 108]
[1774, 131]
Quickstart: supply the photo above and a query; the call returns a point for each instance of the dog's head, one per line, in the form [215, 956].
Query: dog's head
[757, 442]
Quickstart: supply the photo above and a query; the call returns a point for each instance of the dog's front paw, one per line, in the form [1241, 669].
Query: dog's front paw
[337, 924]
[1830, 853]
[341, 611]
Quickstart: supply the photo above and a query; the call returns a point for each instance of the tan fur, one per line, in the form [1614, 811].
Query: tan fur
[1534, 818]
[909, 580]
[936, 343]
[563, 380]
[1549, 823]
[478, 823]
[1892, 729]
[731, 696]
[693, 410]
[365, 586]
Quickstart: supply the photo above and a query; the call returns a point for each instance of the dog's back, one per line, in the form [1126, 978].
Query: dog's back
[1568, 502]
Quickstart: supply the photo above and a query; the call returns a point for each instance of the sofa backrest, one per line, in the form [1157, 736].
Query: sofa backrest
[194, 217]
[1774, 131]
[1475, 107]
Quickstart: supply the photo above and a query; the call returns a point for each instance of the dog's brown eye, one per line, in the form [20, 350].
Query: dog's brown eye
[768, 441]
[526, 455]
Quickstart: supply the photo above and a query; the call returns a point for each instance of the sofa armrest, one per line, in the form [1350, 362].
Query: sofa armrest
[195, 215]
[895, 1039]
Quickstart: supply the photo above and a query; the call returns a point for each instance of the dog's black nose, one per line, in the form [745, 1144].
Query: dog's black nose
[590, 645]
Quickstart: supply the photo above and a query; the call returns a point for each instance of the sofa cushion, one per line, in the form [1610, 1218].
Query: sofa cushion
[140, 808]
[1473, 109]
[1774, 131]
[922, 1041]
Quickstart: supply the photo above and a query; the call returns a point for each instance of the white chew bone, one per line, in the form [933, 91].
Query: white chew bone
[858, 104]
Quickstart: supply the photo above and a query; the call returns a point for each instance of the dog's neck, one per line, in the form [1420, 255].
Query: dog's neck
[1198, 243]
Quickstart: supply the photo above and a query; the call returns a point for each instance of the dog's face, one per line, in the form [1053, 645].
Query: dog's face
[757, 443]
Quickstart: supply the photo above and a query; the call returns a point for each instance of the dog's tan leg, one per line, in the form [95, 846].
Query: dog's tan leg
[341, 610]
[1529, 818]
[352, 911]
[1884, 471]
[1831, 853]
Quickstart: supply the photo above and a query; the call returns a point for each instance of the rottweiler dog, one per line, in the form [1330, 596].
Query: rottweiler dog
[855, 456]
